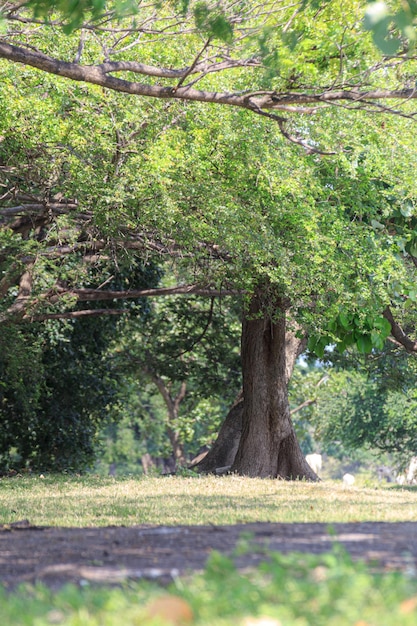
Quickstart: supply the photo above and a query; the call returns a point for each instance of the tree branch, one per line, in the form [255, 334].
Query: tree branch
[399, 335]
[255, 101]
[180, 396]
[311, 400]
[93, 295]
[73, 314]
[303, 405]
[30, 208]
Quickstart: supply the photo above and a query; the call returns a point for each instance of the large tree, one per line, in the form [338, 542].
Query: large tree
[226, 191]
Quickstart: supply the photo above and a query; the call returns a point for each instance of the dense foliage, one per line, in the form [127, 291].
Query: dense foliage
[369, 402]
[58, 388]
[92, 178]
[181, 371]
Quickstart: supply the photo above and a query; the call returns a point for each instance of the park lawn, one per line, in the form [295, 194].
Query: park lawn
[96, 501]
[288, 590]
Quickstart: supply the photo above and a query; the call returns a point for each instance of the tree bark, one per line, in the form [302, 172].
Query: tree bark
[269, 446]
[223, 452]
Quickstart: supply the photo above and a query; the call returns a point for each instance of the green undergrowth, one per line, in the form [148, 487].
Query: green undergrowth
[88, 501]
[286, 590]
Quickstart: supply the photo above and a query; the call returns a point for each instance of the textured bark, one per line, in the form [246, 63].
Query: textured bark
[268, 445]
[398, 334]
[258, 437]
[224, 449]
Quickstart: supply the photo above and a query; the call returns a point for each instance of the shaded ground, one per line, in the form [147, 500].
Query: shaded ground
[113, 554]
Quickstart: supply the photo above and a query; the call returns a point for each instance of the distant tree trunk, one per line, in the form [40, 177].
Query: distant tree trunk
[148, 464]
[177, 447]
[173, 406]
[258, 437]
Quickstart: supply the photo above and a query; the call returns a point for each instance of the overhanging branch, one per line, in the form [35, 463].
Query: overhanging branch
[92, 295]
[255, 101]
[399, 335]
[21, 306]
[73, 314]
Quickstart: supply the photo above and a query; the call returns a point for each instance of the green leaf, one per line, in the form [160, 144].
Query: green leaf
[383, 326]
[346, 341]
[184, 6]
[411, 247]
[214, 23]
[390, 46]
[364, 344]
[407, 209]
[412, 295]
[377, 20]
[317, 345]
[221, 28]
[345, 320]
[377, 225]
[201, 13]
[377, 340]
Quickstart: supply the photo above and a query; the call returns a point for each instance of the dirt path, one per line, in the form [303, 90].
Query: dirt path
[112, 554]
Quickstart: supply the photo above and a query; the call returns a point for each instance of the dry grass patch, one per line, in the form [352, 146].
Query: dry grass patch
[94, 501]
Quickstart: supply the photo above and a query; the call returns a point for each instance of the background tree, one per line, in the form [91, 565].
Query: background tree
[59, 387]
[188, 351]
[368, 402]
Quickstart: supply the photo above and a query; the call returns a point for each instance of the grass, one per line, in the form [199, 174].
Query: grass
[95, 501]
[289, 590]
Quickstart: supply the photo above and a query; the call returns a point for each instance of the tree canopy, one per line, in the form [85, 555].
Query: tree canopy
[314, 65]
[277, 60]
[294, 189]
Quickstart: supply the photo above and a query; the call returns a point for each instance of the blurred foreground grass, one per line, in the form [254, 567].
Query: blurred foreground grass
[290, 590]
[96, 501]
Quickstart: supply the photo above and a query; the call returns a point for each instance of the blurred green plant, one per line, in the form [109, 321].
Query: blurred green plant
[290, 589]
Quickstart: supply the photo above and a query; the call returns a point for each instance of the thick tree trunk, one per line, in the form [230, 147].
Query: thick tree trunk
[268, 445]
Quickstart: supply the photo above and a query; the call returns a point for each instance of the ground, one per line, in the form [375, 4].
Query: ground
[110, 555]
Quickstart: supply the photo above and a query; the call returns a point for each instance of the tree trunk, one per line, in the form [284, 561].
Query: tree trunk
[177, 448]
[224, 449]
[268, 445]
[173, 406]
[269, 353]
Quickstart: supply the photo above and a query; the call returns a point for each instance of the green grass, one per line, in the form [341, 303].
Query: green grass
[289, 590]
[95, 501]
